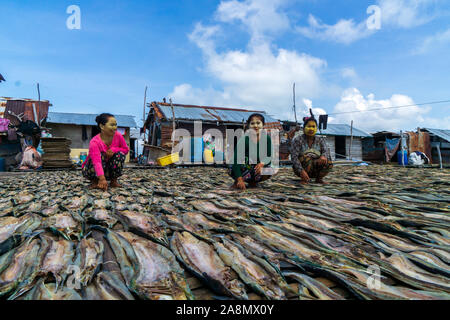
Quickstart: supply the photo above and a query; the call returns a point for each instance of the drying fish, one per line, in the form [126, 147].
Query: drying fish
[77, 204]
[145, 225]
[19, 267]
[67, 224]
[200, 258]
[321, 291]
[107, 286]
[212, 209]
[258, 249]
[158, 276]
[100, 216]
[416, 276]
[255, 272]
[57, 259]
[197, 219]
[49, 291]
[387, 216]
[13, 229]
[88, 259]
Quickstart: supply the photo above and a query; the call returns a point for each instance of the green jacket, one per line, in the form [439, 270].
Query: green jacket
[250, 146]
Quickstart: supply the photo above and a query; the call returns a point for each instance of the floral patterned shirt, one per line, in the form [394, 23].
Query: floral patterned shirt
[299, 147]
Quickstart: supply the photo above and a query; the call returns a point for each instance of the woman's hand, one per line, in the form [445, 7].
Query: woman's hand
[323, 161]
[102, 183]
[305, 177]
[109, 154]
[240, 184]
[258, 168]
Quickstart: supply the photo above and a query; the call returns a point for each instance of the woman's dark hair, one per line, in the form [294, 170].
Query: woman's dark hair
[308, 119]
[255, 115]
[103, 118]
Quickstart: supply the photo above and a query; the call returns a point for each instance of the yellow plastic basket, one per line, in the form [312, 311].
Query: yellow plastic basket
[208, 156]
[170, 159]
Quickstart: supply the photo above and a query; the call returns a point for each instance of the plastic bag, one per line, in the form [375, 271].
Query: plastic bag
[31, 159]
[418, 158]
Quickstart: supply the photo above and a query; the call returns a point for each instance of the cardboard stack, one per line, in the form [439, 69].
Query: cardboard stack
[56, 153]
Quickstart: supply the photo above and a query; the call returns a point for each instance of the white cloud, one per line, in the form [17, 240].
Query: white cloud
[260, 76]
[258, 16]
[406, 13]
[349, 73]
[407, 118]
[436, 41]
[394, 13]
[344, 31]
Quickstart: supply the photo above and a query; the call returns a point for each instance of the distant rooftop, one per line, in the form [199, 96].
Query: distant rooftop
[205, 113]
[124, 121]
[343, 130]
[441, 133]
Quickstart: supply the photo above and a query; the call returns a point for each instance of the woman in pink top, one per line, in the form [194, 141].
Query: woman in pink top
[107, 152]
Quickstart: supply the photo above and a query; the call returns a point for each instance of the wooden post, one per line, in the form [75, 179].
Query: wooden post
[143, 115]
[401, 148]
[39, 105]
[173, 121]
[440, 156]
[351, 142]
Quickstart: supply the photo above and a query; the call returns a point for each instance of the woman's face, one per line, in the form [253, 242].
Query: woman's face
[256, 124]
[110, 127]
[310, 129]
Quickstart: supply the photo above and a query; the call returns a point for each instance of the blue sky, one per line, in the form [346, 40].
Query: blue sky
[235, 53]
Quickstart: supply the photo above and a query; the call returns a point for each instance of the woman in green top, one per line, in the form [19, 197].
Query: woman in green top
[250, 165]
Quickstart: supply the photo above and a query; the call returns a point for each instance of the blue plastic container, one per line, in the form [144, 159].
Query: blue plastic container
[405, 157]
[197, 150]
[2, 165]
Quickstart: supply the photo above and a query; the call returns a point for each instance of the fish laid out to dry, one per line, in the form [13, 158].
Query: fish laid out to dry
[150, 270]
[201, 259]
[19, 267]
[254, 271]
[58, 258]
[88, 259]
[373, 232]
[144, 224]
[12, 230]
[50, 291]
[107, 286]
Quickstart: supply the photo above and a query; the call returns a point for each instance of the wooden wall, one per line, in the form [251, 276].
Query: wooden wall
[356, 152]
[75, 134]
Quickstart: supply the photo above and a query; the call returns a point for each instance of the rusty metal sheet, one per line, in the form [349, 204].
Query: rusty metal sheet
[420, 142]
[26, 107]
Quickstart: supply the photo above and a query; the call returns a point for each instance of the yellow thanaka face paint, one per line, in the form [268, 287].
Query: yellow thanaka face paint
[310, 129]
[110, 127]
[256, 124]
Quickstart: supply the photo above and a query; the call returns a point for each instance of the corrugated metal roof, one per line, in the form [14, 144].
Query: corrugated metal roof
[209, 114]
[123, 121]
[441, 133]
[343, 130]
